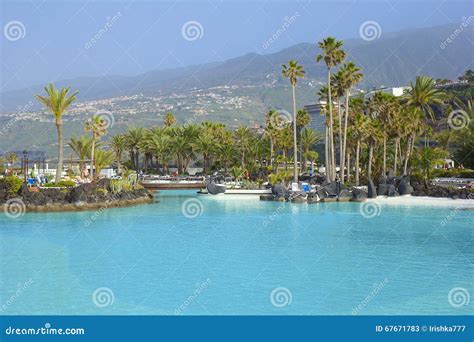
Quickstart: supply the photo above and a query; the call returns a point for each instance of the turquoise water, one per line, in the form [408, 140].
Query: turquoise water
[238, 256]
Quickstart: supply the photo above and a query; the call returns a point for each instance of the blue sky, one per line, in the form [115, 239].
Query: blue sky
[137, 36]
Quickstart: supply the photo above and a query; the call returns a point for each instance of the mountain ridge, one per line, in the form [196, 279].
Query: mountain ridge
[394, 59]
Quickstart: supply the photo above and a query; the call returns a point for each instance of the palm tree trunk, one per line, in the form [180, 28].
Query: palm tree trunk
[407, 156]
[339, 114]
[295, 146]
[326, 154]
[371, 155]
[59, 170]
[331, 134]
[357, 163]
[384, 167]
[348, 162]
[344, 144]
[92, 157]
[271, 152]
[395, 157]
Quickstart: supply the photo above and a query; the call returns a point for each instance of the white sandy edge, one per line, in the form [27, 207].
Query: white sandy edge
[424, 201]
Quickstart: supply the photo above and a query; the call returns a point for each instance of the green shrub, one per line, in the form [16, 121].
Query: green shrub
[102, 191]
[61, 184]
[11, 183]
[118, 185]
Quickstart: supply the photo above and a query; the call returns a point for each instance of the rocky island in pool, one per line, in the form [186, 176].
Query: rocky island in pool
[104, 193]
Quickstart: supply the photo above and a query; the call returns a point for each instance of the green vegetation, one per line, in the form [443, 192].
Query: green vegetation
[61, 184]
[57, 102]
[365, 136]
[11, 183]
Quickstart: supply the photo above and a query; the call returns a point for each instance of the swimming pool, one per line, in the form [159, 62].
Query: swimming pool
[213, 255]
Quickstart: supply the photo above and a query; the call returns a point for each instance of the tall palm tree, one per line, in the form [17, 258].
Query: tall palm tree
[82, 147]
[293, 71]
[132, 142]
[242, 138]
[118, 145]
[98, 126]
[303, 119]
[351, 75]
[323, 99]
[332, 55]
[271, 132]
[423, 95]
[57, 102]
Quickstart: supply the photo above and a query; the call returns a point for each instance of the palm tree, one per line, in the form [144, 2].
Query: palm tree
[293, 71]
[242, 138]
[423, 95]
[11, 159]
[160, 144]
[308, 139]
[226, 155]
[57, 102]
[82, 147]
[271, 132]
[206, 145]
[132, 141]
[169, 120]
[350, 77]
[303, 119]
[118, 145]
[103, 158]
[332, 56]
[98, 126]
